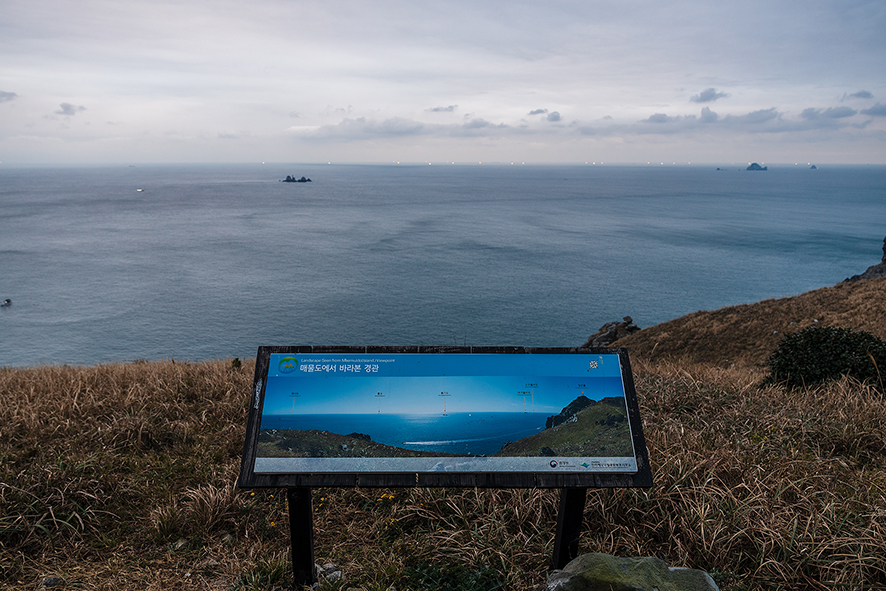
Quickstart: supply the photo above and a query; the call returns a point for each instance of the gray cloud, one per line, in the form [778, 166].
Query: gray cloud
[861, 94]
[553, 116]
[658, 118]
[222, 135]
[756, 117]
[662, 123]
[877, 110]
[369, 129]
[476, 124]
[538, 112]
[7, 96]
[830, 113]
[708, 96]
[479, 127]
[363, 129]
[449, 109]
[708, 116]
[69, 110]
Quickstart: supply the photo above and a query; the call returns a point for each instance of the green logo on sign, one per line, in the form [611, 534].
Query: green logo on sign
[287, 365]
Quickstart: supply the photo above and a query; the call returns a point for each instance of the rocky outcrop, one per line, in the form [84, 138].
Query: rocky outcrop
[569, 411]
[611, 332]
[878, 270]
[590, 572]
[292, 179]
[756, 166]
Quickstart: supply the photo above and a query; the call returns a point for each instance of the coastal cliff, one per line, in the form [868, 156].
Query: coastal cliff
[874, 271]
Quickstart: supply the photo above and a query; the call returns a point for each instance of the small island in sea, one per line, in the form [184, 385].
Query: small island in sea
[755, 166]
[292, 179]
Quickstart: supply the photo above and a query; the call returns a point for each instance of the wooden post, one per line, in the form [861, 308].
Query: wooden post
[569, 520]
[301, 534]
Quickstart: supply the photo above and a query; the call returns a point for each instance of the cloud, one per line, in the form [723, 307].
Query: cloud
[756, 117]
[553, 116]
[538, 112]
[861, 94]
[479, 127]
[227, 135]
[708, 96]
[7, 96]
[658, 118]
[449, 109]
[830, 113]
[69, 110]
[476, 124]
[370, 129]
[662, 123]
[877, 110]
[362, 128]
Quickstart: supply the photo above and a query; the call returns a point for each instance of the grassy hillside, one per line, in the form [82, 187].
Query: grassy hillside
[746, 335]
[123, 477]
[282, 443]
[600, 430]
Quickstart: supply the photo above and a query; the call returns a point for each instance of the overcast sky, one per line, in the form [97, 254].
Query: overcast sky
[413, 81]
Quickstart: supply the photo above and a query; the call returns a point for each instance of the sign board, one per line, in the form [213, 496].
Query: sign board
[436, 416]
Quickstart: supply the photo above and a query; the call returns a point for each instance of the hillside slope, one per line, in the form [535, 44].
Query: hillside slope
[746, 335]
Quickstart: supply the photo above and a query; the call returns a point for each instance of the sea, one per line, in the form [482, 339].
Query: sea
[456, 433]
[201, 262]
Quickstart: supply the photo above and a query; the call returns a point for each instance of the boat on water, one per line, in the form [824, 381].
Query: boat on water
[6, 303]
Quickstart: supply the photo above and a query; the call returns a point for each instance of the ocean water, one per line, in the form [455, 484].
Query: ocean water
[212, 261]
[458, 433]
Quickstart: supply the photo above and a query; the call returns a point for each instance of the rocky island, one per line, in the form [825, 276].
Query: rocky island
[292, 179]
[756, 166]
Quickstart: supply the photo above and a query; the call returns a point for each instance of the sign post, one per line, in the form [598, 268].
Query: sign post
[301, 534]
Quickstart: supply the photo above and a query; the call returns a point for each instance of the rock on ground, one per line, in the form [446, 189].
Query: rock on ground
[597, 572]
[611, 332]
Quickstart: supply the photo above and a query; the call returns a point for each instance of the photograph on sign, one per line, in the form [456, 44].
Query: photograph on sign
[338, 412]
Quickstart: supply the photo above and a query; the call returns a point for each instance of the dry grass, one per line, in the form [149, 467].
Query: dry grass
[747, 334]
[121, 477]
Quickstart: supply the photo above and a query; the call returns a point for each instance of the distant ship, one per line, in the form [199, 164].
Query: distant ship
[6, 303]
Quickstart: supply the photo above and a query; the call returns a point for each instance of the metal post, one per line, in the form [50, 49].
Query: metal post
[569, 519]
[301, 533]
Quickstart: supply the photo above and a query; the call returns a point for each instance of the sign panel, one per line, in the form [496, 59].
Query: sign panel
[422, 416]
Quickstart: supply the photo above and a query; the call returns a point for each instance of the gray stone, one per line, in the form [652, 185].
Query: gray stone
[599, 572]
[611, 332]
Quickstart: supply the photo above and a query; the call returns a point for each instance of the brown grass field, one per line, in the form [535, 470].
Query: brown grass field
[123, 477]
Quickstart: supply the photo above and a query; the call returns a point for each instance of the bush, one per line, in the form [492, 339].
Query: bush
[820, 353]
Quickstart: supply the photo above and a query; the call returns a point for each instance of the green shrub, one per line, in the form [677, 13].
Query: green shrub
[820, 353]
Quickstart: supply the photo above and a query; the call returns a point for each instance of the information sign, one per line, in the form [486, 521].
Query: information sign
[407, 416]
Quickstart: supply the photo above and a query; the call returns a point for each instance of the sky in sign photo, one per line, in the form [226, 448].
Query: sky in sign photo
[97, 81]
[436, 383]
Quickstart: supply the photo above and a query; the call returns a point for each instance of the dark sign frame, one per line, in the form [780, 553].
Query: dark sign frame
[249, 478]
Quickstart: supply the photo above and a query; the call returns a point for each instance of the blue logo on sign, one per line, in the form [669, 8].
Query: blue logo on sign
[287, 365]
[554, 463]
